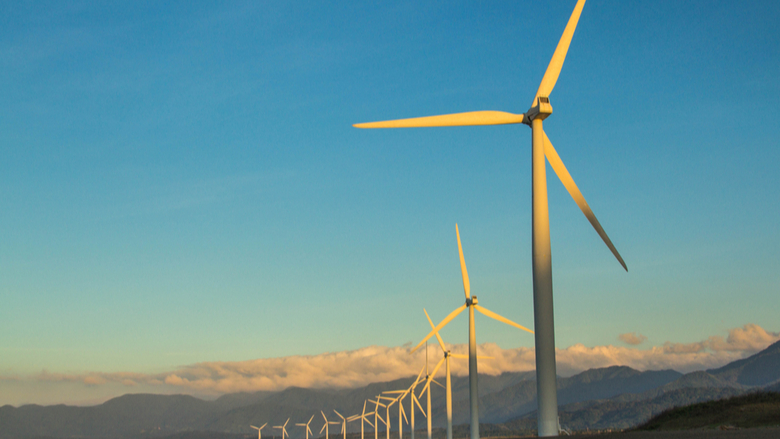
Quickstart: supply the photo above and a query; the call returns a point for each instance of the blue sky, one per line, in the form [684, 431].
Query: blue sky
[181, 183]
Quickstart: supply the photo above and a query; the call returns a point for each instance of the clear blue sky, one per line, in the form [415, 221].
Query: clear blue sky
[180, 182]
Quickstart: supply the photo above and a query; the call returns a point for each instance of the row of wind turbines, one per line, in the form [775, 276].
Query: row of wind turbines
[542, 152]
[385, 401]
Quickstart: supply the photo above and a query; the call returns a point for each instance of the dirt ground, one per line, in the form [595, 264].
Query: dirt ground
[748, 433]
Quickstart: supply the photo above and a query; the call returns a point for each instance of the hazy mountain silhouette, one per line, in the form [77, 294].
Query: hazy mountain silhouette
[611, 397]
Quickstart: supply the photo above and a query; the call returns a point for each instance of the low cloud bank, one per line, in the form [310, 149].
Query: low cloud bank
[377, 363]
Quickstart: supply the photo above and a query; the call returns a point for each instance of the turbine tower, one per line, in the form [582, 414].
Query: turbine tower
[325, 426]
[259, 430]
[362, 418]
[471, 304]
[308, 430]
[343, 424]
[448, 388]
[541, 255]
[378, 417]
[283, 428]
[413, 399]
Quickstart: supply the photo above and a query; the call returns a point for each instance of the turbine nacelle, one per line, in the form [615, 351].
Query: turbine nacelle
[540, 111]
[471, 301]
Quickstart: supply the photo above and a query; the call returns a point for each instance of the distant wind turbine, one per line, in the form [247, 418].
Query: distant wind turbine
[283, 428]
[471, 304]
[343, 424]
[325, 426]
[308, 430]
[362, 418]
[259, 430]
[378, 417]
[541, 253]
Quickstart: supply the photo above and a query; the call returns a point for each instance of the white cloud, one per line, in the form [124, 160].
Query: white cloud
[377, 363]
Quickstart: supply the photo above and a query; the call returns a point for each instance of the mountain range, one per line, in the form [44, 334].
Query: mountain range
[612, 397]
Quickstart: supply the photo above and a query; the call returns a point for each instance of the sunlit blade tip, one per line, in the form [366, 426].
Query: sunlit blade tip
[568, 182]
[501, 319]
[471, 118]
[463, 271]
[556, 63]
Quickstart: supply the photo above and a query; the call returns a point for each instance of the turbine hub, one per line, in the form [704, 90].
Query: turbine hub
[540, 111]
[472, 301]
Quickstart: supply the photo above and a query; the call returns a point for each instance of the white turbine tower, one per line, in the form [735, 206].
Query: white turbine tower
[541, 254]
[259, 430]
[401, 411]
[471, 304]
[378, 417]
[413, 399]
[448, 389]
[283, 428]
[325, 426]
[308, 430]
[343, 424]
[362, 418]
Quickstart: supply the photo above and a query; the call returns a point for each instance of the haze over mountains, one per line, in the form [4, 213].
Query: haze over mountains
[612, 397]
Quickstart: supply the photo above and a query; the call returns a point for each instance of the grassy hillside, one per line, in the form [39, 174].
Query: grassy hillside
[760, 409]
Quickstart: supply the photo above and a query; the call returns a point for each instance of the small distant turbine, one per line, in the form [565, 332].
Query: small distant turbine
[259, 430]
[343, 424]
[413, 400]
[325, 426]
[362, 418]
[378, 417]
[401, 411]
[541, 147]
[308, 430]
[283, 428]
[471, 304]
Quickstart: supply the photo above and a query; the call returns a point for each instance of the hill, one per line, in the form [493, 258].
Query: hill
[758, 409]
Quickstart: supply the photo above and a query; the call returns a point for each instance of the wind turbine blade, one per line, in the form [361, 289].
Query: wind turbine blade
[563, 174]
[463, 271]
[470, 118]
[438, 384]
[369, 422]
[414, 398]
[394, 391]
[256, 428]
[312, 417]
[438, 337]
[461, 356]
[263, 426]
[323, 427]
[309, 429]
[440, 325]
[501, 319]
[556, 63]
[338, 414]
[285, 422]
[403, 412]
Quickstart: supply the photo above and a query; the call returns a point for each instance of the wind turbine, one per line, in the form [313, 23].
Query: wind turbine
[308, 430]
[283, 428]
[541, 255]
[260, 430]
[427, 389]
[413, 400]
[471, 304]
[448, 389]
[401, 411]
[362, 418]
[343, 424]
[378, 417]
[325, 427]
